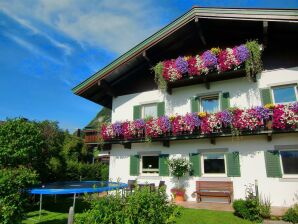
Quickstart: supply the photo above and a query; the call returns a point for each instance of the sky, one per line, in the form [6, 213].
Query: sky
[47, 47]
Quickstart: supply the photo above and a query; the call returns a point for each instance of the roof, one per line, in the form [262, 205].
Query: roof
[280, 15]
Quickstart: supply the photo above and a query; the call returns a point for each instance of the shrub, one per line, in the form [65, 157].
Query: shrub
[86, 171]
[104, 210]
[142, 206]
[291, 214]
[145, 206]
[248, 209]
[13, 195]
[265, 208]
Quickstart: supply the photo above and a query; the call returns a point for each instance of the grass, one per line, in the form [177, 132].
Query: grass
[200, 216]
[56, 213]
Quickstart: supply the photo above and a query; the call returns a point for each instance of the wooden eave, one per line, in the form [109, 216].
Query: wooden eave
[280, 15]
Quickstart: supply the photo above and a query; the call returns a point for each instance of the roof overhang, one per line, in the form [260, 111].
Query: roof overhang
[98, 83]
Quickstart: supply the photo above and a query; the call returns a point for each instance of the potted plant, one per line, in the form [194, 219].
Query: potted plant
[179, 167]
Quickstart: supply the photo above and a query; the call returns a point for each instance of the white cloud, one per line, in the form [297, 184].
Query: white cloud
[114, 25]
[67, 49]
[30, 47]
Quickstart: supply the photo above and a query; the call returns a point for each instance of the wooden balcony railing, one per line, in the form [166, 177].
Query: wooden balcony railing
[91, 136]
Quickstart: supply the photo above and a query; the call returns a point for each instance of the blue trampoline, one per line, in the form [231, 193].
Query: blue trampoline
[75, 187]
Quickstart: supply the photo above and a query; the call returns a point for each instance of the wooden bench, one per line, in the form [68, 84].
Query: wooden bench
[214, 189]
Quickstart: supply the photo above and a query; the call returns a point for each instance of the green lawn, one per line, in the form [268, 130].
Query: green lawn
[197, 216]
[56, 213]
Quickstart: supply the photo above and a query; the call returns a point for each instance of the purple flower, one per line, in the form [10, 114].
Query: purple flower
[164, 124]
[294, 107]
[117, 128]
[139, 123]
[261, 113]
[181, 65]
[209, 60]
[241, 53]
[225, 117]
[191, 121]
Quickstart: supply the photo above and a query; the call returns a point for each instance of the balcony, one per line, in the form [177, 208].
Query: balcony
[233, 123]
[91, 136]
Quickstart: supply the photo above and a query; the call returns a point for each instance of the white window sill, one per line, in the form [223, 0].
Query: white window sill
[294, 176]
[214, 175]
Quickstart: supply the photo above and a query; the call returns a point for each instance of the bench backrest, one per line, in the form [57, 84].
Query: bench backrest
[214, 185]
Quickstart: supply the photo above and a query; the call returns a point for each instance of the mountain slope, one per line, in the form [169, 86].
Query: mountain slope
[104, 115]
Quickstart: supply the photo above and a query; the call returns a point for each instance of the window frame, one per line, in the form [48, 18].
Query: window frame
[141, 165]
[148, 104]
[209, 97]
[282, 167]
[213, 174]
[294, 85]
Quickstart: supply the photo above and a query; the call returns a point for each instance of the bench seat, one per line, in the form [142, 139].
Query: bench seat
[214, 189]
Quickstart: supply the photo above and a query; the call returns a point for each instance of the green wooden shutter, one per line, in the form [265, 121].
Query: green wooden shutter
[272, 160]
[195, 159]
[225, 100]
[163, 165]
[233, 164]
[160, 109]
[137, 112]
[194, 104]
[134, 165]
[266, 96]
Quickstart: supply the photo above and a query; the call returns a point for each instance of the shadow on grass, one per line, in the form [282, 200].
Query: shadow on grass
[61, 204]
[54, 211]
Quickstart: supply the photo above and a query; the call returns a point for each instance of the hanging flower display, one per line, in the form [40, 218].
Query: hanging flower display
[107, 131]
[214, 60]
[211, 123]
[283, 117]
[191, 122]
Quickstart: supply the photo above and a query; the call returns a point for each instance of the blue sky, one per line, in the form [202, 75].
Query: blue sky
[49, 46]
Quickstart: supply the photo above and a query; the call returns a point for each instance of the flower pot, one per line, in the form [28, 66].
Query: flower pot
[179, 198]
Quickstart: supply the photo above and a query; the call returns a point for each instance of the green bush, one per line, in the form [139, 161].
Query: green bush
[248, 209]
[291, 214]
[13, 195]
[140, 207]
[86, 171]
[265, 208]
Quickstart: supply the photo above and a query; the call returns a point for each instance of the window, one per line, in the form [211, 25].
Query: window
[209, 104]
[289, 160]
[284, 94]
[214, 163]
[150, 164]
[149, 110]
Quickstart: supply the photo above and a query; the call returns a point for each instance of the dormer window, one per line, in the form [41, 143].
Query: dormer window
[284, 94]
[149, 110]
[209, 104]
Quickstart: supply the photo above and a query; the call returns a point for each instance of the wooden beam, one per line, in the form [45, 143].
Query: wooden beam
[199, 31]
[207, 83]
[169, 90]
[107, 147]
[166, 143]
[265, 33]
[127, 145]
[213, 141]
[269, 137]
[107, 87]
[144, 54]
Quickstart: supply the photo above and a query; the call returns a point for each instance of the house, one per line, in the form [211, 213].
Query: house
[258, 145]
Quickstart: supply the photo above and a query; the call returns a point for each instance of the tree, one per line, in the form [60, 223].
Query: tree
[21, 143]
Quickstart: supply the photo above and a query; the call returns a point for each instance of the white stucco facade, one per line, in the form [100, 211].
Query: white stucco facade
[243, 94]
